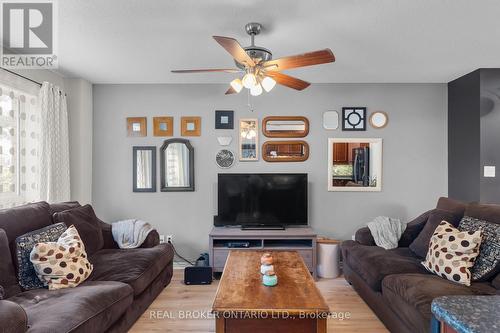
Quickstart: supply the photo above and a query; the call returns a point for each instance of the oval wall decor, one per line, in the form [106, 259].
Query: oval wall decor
[285, 126]
[285, 151]
[379, 119]
[224, 158]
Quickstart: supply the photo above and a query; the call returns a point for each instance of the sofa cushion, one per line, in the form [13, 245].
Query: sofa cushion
[410, 295]
[22, 219]
[373, 263]
[62, 206]
[136, 267]
[87, 224]
[487, 264]
[8, 278]
[454, 206]
[90, 307]
[26, 273]
[421, 244]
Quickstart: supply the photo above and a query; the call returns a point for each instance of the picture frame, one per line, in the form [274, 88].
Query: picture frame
[355, 164]
[137, 126]
[354, 118]
[224, 119]
[163, 126]
[249, 140]
[379, 119]
[190, 126]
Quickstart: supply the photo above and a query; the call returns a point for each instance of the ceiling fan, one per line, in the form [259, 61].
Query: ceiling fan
[261, 71]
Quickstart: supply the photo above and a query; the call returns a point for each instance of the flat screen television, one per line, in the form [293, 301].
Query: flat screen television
[262, 199]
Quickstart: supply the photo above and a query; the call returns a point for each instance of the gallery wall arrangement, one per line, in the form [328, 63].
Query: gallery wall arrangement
[354, 164]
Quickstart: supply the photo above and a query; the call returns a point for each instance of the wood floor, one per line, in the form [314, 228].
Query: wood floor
[169, 311]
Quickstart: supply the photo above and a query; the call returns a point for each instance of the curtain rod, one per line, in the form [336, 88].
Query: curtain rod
[24, 77]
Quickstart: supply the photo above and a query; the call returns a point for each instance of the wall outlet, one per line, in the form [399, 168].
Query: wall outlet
[162, 239]
[170, 238]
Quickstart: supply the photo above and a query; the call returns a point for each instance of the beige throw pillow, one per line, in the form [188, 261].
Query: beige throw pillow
[62, 264]
[452, 253]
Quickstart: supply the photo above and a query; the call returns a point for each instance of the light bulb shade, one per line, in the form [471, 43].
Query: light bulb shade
[236, 85]
[249, 81]
[256, 90]
[268, 83]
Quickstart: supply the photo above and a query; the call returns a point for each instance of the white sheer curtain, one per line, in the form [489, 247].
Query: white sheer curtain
[54, 185]
[19, 135]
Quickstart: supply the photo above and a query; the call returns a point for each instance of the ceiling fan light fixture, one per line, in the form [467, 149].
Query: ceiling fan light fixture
[256, 90]
[249, 80]
[237, 85]
[268, 83]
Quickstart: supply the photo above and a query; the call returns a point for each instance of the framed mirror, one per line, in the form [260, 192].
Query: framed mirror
[144, 169]
[354, 164]
[249, 140]
[331, 120]
[285, 127]
[379, 119]
[285, 151]
[177, 166]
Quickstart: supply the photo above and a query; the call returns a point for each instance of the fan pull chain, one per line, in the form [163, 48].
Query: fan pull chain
[249, 104]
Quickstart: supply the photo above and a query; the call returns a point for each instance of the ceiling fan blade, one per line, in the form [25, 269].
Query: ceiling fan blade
[234, 48]
[231, 91]
[209, 70]
[301, 60]
[288, 81]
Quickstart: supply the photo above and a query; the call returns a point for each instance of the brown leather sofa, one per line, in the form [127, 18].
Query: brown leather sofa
[394, 283]
[121, 287]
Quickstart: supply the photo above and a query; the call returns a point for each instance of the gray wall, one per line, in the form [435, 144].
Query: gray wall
[414, 163]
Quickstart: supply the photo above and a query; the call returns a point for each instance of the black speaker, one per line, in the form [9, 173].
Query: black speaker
[197, 275]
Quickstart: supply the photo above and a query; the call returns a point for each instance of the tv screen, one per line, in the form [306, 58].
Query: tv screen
[262, 199]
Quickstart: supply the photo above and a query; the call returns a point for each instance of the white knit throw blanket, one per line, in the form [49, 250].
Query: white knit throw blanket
[130, 234]
[386, 231]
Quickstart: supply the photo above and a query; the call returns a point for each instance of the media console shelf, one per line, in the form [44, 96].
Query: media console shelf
[302, 240]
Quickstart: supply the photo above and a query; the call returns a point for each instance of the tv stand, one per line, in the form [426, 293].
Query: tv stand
[300, 239]
[262, 227]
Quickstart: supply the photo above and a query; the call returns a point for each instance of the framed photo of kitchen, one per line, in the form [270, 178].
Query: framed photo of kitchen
[354, 164]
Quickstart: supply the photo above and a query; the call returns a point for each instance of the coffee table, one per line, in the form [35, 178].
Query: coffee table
[244, 305]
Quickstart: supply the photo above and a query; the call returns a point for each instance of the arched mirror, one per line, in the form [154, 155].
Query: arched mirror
[177, 166]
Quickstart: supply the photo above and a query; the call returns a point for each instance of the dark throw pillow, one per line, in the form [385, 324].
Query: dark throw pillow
[420, 244]
[87, 224]
[487, 264]
[24, 244]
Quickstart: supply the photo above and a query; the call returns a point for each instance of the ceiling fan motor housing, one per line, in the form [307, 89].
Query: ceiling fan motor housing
[260, 54]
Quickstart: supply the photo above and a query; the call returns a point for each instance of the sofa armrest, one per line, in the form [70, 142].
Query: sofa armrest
[413, 228]
[151, 240]
[13, 318]
[364, 236]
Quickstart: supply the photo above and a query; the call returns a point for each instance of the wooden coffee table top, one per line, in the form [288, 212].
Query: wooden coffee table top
[241, 287]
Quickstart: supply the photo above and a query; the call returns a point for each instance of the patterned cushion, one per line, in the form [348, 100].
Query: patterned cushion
[24, 244]
[487, 264]
[452, 253]
[63, 264]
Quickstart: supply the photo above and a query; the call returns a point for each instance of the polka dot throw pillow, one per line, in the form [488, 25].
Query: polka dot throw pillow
[452, 253]
[62, 264]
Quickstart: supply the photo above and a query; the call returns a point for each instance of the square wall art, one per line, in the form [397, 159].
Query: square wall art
[224, 119]
[354, 119]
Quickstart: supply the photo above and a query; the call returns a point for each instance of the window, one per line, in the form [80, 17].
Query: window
[19, 141]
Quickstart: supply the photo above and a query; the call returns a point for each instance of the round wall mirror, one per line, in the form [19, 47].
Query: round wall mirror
[379, 119]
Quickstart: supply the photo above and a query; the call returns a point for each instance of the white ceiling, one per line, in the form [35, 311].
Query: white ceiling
[140, 41]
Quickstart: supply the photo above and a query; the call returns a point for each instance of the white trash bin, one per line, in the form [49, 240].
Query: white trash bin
[328, 258]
